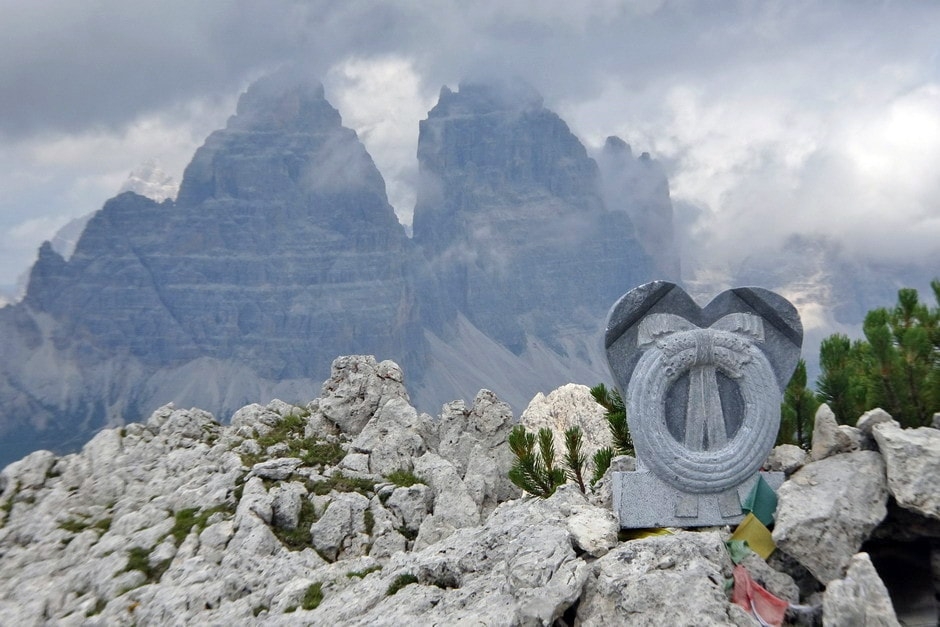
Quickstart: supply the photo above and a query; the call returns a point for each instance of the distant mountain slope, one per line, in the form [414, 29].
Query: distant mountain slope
[511, 216]
[281, 252]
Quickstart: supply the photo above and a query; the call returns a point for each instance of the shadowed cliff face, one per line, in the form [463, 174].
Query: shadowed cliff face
[510, 213]
[281, 252]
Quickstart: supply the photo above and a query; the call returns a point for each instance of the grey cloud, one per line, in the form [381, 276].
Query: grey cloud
[609, 67]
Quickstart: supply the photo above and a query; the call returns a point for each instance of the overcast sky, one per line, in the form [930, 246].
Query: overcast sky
[771, 118]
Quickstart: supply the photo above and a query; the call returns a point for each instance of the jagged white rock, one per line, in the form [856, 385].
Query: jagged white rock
[912, 459]
[183, 520]
[849, 488]
[860, 598]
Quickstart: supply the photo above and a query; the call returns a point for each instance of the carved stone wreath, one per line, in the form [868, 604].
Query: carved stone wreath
[702, 386]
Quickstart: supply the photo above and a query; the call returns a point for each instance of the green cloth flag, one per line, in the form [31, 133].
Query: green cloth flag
[762, 502]
[738, 550]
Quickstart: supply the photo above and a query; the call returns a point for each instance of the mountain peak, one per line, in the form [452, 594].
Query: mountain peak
[488, 96]
[281, 101]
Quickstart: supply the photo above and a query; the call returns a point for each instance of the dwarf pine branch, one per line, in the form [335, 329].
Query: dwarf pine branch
[531, 472]
[602, 459]
[616, 418]
[574, 456]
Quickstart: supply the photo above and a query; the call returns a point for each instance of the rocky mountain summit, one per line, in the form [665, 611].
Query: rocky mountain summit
[281, 251]
[357, 509]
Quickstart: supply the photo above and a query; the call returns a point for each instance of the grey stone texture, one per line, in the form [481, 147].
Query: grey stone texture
[860, 599]
[828, 509]
[651, 582]
[786, 458]
[912, 459]
[703, 388]
[831, 438]
[68, 526]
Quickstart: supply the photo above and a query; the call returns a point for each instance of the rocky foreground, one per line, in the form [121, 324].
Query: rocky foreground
[358, 510]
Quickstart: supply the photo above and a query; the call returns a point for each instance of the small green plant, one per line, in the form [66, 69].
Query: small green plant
[258, 609]
[313, 596]
[78, 525]
[290, 430]
[185, 519]
[616, 418]
[602, 459]
[534, 471]
[410, 534]
[298, 538]
[368, 521]
[362, 573]
[342, 483]
[404, 478]
[400, 582]
[319, 453]
[100, 604]
[138, 558]
[574, 456]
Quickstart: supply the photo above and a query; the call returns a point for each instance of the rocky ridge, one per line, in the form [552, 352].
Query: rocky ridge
[358, 509]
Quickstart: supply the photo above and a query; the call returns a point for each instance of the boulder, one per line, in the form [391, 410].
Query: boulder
[786, 458]
[337, 529]
[358, 386]
[286, 502]
[868, 420]
[276, 469]
[828, 438]
[452, 501]
[411, 505]
[392, 438]
[662, 580]
[827, 510]
[860, 598]
[912, 459]
[593, 529]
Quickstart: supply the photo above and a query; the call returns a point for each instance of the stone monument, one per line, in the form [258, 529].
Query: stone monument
[702, 388]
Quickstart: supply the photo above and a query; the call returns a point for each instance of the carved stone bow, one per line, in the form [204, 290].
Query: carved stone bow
[702, 352]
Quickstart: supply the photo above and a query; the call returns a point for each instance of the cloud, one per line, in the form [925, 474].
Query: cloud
[383, 99]
[770, 117]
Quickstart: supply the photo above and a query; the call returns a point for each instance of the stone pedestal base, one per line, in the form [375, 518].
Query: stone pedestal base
[642, 500]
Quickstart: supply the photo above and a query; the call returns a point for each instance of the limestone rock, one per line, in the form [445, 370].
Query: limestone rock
[828, 438]
[593, 529]
[452, 501]
[786, 458]
[392, 437]
[337, 529]
[779, 584]
[358, 386]
[867, 421]
[286, 501]
[475, 441]
[860, 598]
[912, 459]
[276, 469]
[657, 580]
[539, 576]
[828, 508]
[411, 505]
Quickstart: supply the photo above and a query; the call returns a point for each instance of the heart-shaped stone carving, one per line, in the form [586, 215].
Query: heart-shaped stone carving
[702, 385]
